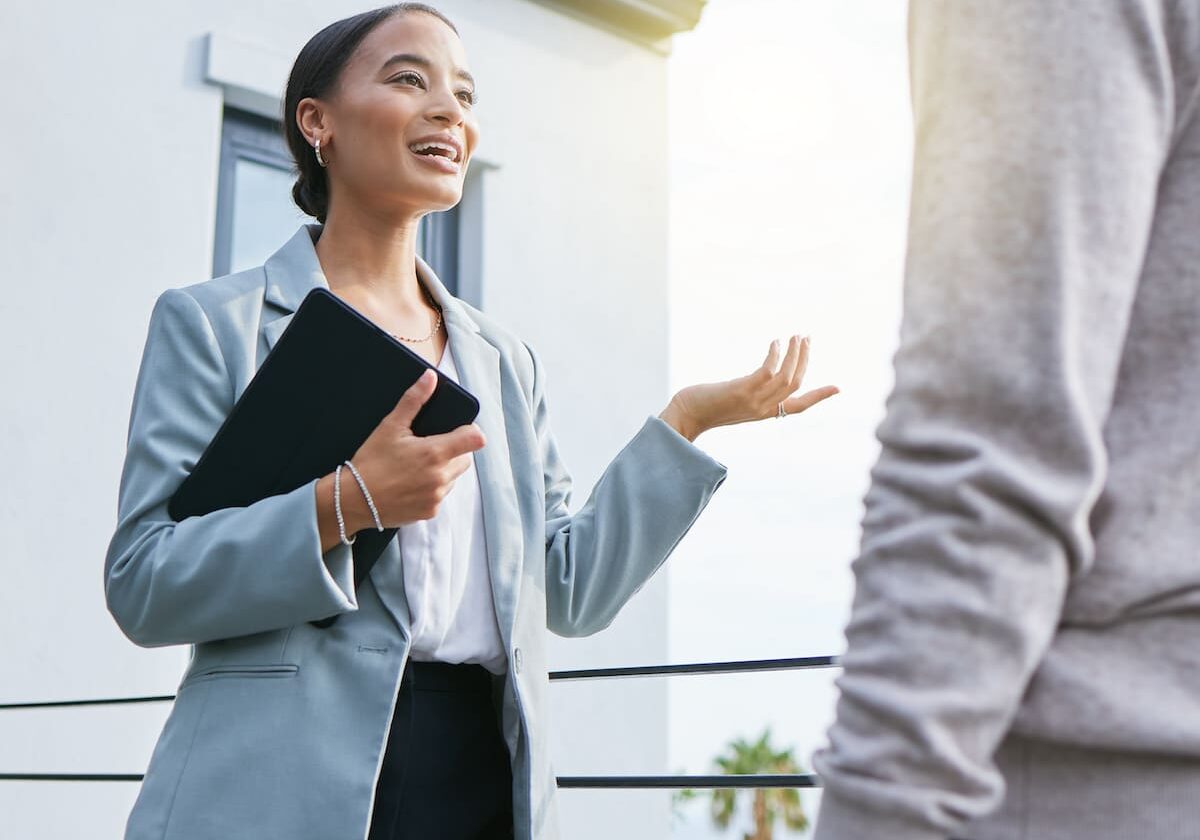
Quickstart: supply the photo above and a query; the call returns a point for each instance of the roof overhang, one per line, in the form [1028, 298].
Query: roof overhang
[650, 22]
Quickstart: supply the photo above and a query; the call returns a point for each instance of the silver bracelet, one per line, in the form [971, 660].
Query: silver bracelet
[366, 494]
[337, 506]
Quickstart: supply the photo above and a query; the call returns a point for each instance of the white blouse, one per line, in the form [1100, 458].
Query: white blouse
[446, 576]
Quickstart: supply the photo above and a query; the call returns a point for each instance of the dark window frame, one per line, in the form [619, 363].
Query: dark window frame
[244, 136]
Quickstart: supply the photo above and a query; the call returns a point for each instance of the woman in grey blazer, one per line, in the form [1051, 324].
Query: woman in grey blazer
[420, 713]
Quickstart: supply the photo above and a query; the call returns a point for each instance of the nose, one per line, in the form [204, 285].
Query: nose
[445, 108]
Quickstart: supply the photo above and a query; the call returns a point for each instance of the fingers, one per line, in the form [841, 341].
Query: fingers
[771, 363]
[796, 354]
[801, 365]
[805, 401]
[462, 441]
[458, 466]
[414, 398]
[787, 371]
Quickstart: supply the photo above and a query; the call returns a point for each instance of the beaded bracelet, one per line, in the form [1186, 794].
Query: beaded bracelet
[337, 506]
[366, 494]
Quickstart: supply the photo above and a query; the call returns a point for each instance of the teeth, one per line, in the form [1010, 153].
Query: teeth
[450, 151]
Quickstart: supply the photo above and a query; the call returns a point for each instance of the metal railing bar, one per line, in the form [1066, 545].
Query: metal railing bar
[756, 781]
[70, 777]
[732, 667]
[735, 667]
[796, 780]
[108, 701]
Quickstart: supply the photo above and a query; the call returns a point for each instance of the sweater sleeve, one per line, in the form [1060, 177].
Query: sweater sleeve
[1041, 132]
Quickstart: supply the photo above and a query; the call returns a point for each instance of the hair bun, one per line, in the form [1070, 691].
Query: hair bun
[312, 195]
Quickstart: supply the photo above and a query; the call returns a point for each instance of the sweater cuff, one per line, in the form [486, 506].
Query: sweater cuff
[840, 819]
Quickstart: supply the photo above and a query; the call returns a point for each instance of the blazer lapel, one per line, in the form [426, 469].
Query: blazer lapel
[273, 329]
[293, 271]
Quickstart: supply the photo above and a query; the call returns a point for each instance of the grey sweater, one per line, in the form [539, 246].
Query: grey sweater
[1030, 559]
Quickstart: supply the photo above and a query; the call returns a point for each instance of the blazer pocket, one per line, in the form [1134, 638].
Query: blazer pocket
[241, 672]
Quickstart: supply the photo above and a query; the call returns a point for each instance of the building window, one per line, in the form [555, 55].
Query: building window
[256, 214]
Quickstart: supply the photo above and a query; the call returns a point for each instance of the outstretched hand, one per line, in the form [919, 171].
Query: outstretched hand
[756, 396]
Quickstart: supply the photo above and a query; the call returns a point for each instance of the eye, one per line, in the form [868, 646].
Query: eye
[467, 97]
[410, 77]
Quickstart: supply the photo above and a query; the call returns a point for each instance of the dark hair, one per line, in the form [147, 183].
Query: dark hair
[315, 73]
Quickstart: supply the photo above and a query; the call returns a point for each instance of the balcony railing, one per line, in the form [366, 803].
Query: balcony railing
[798, 780]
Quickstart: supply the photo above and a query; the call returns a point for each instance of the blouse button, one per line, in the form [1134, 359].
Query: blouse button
[517, 660]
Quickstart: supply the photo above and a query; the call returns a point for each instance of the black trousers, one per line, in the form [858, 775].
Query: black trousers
[446, 773]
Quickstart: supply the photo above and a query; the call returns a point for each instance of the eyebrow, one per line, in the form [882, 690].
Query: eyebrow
[409, 58]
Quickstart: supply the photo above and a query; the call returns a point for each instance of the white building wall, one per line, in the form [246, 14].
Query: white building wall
[110, 155]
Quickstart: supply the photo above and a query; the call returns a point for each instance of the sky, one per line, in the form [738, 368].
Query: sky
[790, 162]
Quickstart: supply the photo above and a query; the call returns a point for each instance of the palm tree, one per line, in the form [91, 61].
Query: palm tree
[768, 805]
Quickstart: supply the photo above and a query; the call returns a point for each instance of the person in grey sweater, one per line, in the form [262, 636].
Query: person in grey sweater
[1023, 656]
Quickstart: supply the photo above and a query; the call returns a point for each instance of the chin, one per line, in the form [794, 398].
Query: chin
[428, 199]
[444, 201]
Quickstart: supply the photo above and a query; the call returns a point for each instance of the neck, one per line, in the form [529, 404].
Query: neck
[372, 258]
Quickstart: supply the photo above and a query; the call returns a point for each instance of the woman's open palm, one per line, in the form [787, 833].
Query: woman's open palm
[757, 395]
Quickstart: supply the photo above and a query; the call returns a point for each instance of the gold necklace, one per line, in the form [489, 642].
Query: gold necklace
[437, 325]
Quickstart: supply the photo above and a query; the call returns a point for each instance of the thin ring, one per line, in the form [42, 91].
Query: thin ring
[317, 149]
[781, 413]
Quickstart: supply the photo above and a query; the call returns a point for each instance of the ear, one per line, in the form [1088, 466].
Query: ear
[312, 119]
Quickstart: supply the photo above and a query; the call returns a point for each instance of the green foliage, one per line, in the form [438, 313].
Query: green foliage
[679, 799]
[769, 806]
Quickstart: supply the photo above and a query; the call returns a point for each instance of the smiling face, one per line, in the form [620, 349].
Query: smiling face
[400, 128]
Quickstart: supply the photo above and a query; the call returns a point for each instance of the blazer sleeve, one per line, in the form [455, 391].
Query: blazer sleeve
[228, 573]
[648, 497]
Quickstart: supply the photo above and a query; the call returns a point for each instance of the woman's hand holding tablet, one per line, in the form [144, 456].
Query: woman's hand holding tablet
[407, 475]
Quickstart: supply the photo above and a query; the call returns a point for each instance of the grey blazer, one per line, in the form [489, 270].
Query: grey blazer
[278, 727]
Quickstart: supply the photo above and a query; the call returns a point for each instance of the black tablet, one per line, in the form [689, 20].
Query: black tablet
[330, 378]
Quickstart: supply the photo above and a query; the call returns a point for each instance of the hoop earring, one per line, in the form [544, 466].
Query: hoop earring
[317, 149]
